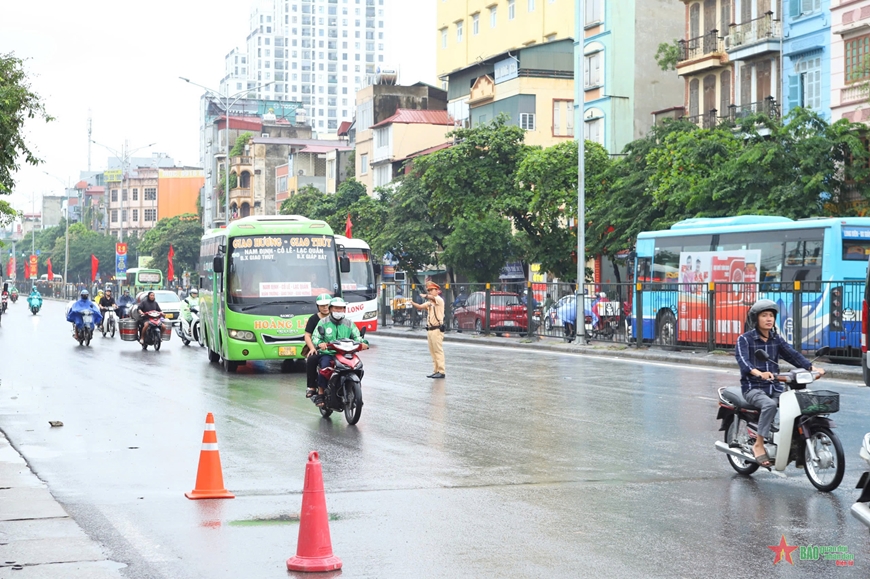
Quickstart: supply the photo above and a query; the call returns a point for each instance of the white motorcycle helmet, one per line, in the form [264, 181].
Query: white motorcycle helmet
[336, 303]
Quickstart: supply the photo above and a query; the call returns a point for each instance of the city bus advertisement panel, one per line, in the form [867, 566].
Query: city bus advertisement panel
[272, 282]
[735, 275]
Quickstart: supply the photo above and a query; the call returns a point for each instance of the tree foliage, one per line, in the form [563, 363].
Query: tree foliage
[669, 54]
[183, 233]
[479, 247]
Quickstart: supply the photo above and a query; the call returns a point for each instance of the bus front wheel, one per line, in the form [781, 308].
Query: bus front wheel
[213, 356]
[230, 366]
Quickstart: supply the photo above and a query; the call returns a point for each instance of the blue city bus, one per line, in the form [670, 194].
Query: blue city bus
[720, 266]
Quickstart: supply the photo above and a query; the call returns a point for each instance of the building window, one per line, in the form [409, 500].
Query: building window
[806, 86]
[151, 193]
[364, 164]
[383, 175]
[563, 118]
[135, 194]
[595, 130]
[808, 6]
[150, 215]
[493, 16]
[531, 5]
[124, 215]
[594, 11]
[527, 121]
[443, 38]
[475, 24]
[114, 195]
[114, 215]
[857, 55]
[512, 9]
[593, 76]
[136, 216]
[459, 26]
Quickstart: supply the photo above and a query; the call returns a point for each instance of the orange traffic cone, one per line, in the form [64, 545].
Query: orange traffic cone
[209, 478]
[314, 547]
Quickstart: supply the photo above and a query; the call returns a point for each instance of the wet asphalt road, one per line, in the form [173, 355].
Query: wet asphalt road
[516, 465]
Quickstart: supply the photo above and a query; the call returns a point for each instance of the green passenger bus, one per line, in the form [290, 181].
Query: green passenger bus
[258, 280]
[140, 279]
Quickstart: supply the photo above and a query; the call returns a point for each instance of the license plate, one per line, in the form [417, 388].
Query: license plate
[510, 323]
[289, 351]
[170, 316]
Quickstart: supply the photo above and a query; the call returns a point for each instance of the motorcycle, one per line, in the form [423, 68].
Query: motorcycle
[803, 433]
[109, 321]
[35, 304]
[13, 296]
[4, 302]
[861, 508]
[344, 380]
[84, 332]
[190, 332]
[153, 327]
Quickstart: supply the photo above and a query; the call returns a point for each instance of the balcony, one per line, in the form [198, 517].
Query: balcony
[240, 160]
[753, 38]
[707, 120]
[702, 53]
[768, 107]
[855, 93]
[240, 193]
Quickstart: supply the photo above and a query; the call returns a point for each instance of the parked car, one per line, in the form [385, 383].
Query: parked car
[169, 303]
[507, 313]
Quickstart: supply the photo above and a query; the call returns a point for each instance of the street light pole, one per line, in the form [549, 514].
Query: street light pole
[225, 100]
[580, 299]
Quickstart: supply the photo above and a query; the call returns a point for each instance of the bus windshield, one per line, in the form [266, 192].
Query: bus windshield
[361, 279]
[268, 268]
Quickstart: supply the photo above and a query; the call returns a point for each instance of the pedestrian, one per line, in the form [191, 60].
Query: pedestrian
[434, 305]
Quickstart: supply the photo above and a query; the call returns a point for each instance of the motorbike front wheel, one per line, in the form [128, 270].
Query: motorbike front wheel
[826, 473]
[112, 326]
[737, 433]
[353, 403]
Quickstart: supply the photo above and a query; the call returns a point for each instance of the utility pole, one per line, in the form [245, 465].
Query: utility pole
[579, 79]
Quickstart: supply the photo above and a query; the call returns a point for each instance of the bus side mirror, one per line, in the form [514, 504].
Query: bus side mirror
[344, 264]
[377, 268]
[218, 264]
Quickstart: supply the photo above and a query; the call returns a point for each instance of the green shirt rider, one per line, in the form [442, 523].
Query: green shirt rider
[331, 328]
[191, 301]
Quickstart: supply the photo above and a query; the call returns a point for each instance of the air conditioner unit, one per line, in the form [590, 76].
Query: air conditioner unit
[265, 135]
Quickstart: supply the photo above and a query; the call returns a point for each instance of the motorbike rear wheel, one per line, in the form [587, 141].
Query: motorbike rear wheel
[737, 433]
[353, 404]
[827, 473]
[88, 335]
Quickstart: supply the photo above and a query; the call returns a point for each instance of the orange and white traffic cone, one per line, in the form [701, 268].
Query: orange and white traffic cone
[314, 547]
[209, 478]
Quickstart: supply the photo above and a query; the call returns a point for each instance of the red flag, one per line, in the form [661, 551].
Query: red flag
[10, 266]
[348, 227]
[170, 271]
[50, 273]
[95, 266]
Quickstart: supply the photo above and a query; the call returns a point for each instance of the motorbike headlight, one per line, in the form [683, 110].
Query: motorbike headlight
[370, 315]
[803, 378]
[243, 335]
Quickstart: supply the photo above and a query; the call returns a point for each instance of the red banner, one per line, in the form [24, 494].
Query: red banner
[170, 271]
[10, 267]
[34, 267]
[50, 273]
[348, 227]
[95, 266]
[121, 249]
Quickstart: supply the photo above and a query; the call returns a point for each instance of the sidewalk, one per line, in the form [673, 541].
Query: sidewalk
[38, 539]
[719, 359]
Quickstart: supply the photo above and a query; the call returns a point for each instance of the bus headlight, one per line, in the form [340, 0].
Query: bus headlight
[370, 315]
[243, 335]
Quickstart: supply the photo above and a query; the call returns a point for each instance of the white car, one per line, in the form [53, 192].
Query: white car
[169, 302]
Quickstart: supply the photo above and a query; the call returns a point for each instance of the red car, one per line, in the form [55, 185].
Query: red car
[507, 313]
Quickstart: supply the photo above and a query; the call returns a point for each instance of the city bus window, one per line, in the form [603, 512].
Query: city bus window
[856, 250]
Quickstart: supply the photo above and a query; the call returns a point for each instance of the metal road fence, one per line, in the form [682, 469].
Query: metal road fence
[708, 316]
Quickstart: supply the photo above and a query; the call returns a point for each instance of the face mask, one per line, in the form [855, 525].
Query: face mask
[337, 316]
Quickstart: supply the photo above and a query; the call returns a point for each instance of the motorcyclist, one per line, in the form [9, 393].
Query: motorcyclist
[757, 377]
[107, 302]
[83, 304]
[35, 298]
[312, 359]
[331, 328]
[149, 304]
[124, 303]
[13, 292]
[4, 296]
[191, 301]
[460, 297]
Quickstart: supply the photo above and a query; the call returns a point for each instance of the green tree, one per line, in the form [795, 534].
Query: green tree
[82, 244]
[183, 233]
[18, 103]
[669, 54]
[309, 202]
[240, 143]
[479, 247]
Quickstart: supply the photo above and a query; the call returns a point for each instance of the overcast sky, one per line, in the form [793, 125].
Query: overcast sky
[122, 60]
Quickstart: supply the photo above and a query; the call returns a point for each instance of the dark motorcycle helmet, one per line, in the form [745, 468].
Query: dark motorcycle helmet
[762, 305]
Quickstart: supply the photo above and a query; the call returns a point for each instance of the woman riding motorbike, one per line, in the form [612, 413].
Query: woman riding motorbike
[83, 304]
[149, 304]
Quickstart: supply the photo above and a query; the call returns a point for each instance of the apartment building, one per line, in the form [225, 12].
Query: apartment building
[807, 56]
[850, 60]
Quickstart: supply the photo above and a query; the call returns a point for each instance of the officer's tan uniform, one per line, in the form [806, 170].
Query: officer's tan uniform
[434, 320]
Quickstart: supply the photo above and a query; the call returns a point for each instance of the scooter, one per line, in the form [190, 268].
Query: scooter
[190, 332]
[109, 321]
[35, 304]
[84, 332]
[344, 380]
[803, 433]
[153, 327]
[13, 296]
[4, 301]
[861, 509]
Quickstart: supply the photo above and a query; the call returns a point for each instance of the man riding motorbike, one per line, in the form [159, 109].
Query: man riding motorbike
[191, 301]
[124, 304]
[335, 327]
[107, 302]
[312, 356]
[149, 304]
[758, 378]
[83, 304]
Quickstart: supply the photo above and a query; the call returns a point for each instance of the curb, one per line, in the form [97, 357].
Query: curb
[686, 357]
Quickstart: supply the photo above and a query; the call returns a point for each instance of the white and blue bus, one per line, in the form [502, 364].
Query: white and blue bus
[720, 266]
